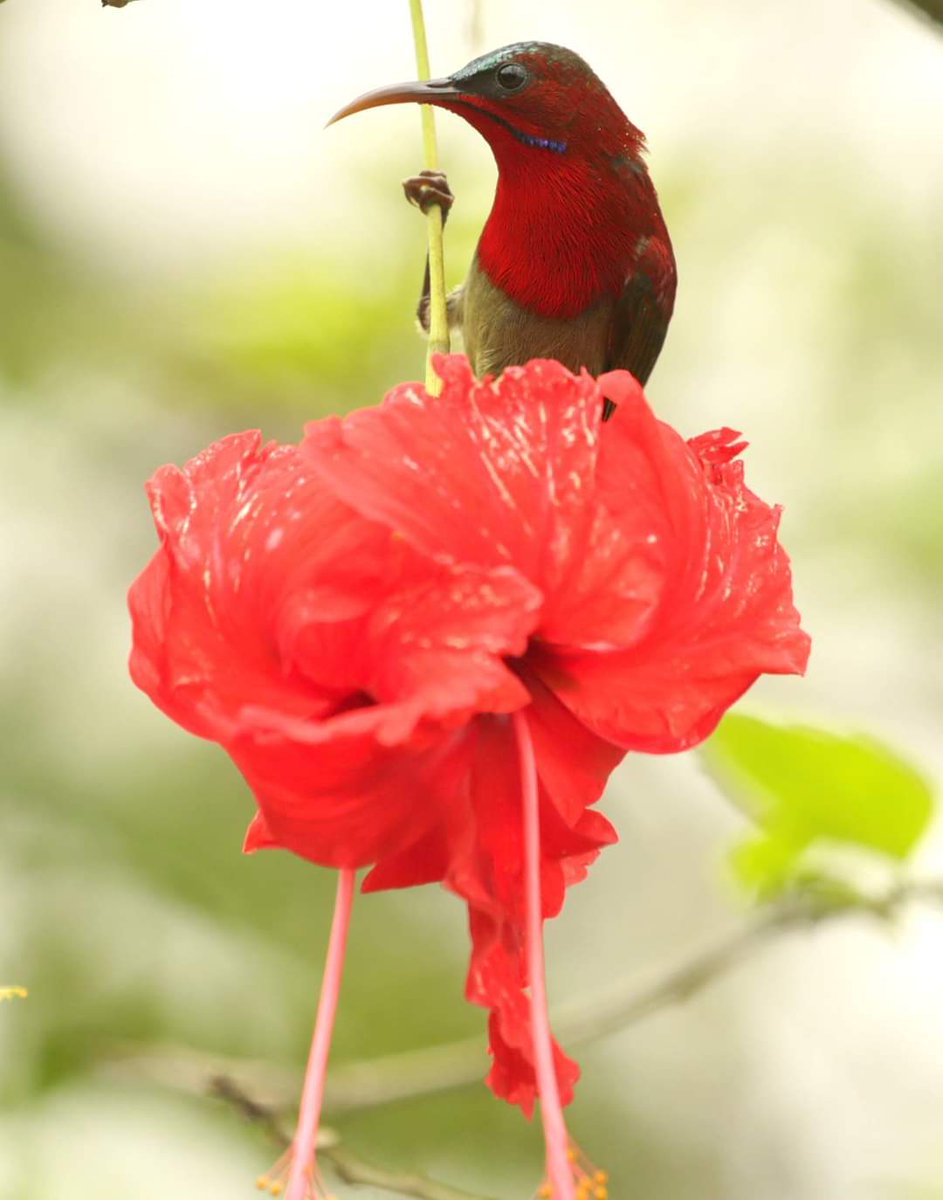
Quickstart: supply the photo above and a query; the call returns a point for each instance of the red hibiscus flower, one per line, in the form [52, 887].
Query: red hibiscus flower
[384, 625]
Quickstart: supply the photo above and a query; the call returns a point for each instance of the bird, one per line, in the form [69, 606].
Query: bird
[574, 261]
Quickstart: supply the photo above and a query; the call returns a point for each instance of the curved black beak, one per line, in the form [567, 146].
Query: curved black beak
[429, 91]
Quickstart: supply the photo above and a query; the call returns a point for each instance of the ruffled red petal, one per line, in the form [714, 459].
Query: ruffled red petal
[665, 590]
[485, 867]
[330, 658]
[507, 477]
[343, 799]
[725, 614]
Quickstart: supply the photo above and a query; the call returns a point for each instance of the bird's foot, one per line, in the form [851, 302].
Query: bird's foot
[428, 188]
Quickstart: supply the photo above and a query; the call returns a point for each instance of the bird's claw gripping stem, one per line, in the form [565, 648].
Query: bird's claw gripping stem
[425, 190]
[428, 188]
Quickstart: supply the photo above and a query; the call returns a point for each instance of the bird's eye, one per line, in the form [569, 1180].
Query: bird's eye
[511, 76]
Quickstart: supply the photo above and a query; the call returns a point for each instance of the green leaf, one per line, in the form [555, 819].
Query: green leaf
[804, 786]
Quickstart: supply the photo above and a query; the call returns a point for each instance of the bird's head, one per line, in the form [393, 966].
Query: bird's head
[529, 100]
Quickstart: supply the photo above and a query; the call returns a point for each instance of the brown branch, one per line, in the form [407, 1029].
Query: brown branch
[928, 9]
[459, 1064]
[353, 1087]
[435, 1069]
[347, 1166]
[355, 1170]
[631, 1003]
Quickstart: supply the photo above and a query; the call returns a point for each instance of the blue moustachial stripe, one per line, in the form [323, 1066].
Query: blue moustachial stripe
[543, 143]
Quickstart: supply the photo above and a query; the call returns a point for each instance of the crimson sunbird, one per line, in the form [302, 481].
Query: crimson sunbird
[574, 262]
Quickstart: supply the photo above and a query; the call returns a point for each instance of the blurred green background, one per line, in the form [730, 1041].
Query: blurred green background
[184, 252]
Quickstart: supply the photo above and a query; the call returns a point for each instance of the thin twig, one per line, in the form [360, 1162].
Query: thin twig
[263, 1116]
[438, 309]
[347, 1166]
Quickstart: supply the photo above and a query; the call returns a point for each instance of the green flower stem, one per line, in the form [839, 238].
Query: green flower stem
[438, 313]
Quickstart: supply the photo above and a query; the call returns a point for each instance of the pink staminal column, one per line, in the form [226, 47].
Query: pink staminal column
[559, 1165]
[302, 1175]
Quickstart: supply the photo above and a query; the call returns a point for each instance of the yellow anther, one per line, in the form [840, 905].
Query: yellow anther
[590, 1183]
[13, 993]
[275, 1180]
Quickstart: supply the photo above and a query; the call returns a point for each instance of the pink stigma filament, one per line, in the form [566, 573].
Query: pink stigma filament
[559, 1169]
[312, 1095]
